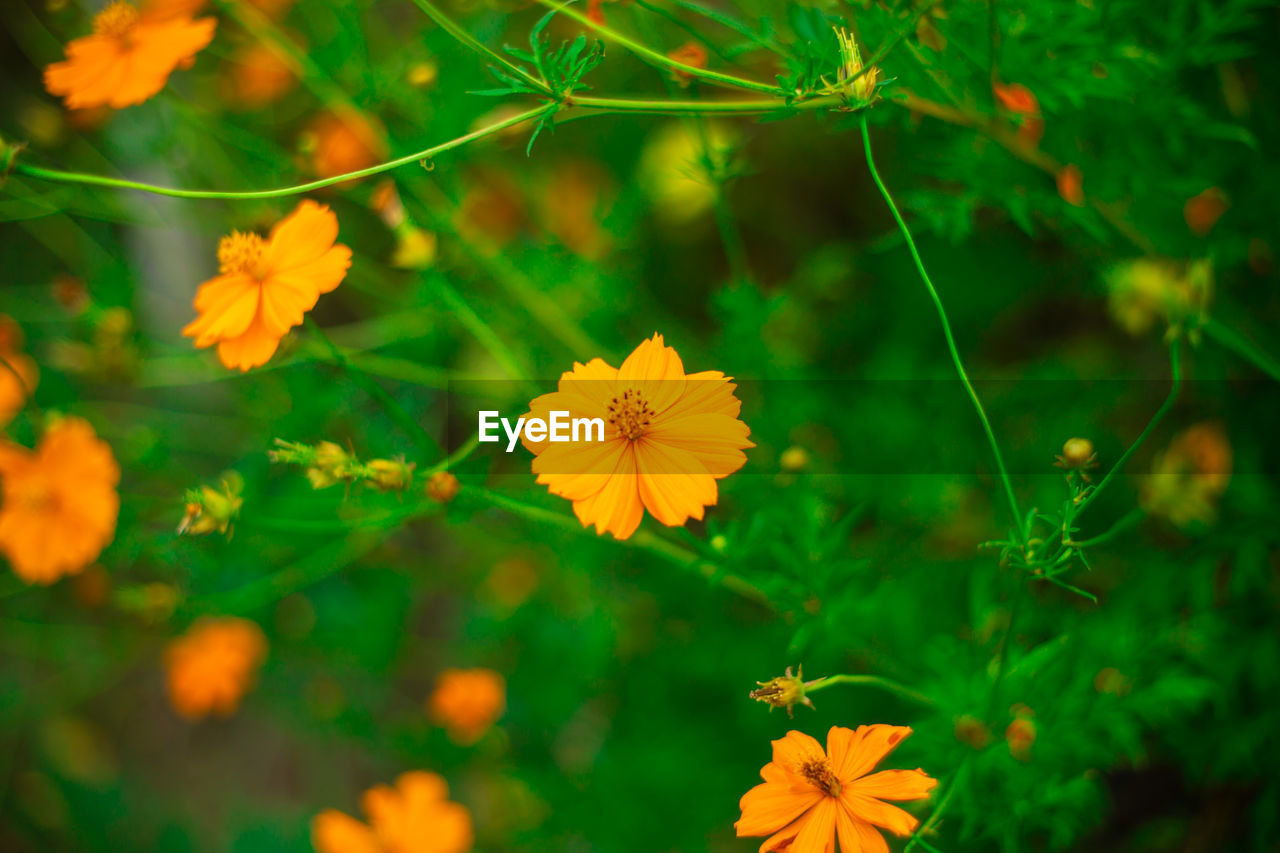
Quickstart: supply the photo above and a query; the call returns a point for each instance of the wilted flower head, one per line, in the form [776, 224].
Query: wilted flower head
[1144, 290]
[209, 509]
[213, 665]
[857, 81]
[785, 691]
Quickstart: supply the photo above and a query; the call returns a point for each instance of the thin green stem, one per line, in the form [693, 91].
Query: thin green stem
[425, 154]
[448, 25]
[1127, 521]
[1232, 340]
[946, 330]
[653, 56]
[482, 332]
[394, 410]
[872, 681]
[468, 447]
[952, 786]
[1175, 369]
[642, 540]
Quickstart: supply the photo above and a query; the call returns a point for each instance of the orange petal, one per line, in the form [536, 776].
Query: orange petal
[320, 275]
[716, 440]
[795, 749]
[897, 785]
[871, 810]
[708, 392]
[783, 837]
[616, 508]
[255, 347]
[858, 836]
[335, 832]
[673, 483]
[659, 369]
[300, 238]
[818, 835]
[579, 471]
[227, 306]
[855, 753]
[772, 806]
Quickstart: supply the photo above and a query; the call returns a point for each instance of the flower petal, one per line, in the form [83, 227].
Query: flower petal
[579, 471]
[255, 347]
[616, 508]
[657, 371]
[335, 832]
[855, 753]
[772, 806]
[818, 835]
[674, 485]
[716, 440]
[300, 238]
[899, 785]
[227, 306]
[874, 811]
[858, 836]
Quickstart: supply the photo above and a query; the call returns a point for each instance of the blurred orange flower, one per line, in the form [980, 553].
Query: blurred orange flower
[266, 286]
[810, 798]
[344, 143]
[1022, 102]
[467, 702]
[59, 503]
[415, 816]
[1203, 210]
[213, 665]
[669, 435]
[1189, 477]
[18, 373]
[130, 55]
[1071, 185]
[258, 75]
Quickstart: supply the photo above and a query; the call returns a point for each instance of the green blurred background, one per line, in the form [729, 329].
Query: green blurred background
[774, 260]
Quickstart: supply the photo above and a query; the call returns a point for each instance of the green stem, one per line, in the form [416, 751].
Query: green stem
[946, 330]
[656, 106]
[447, 24]
[1243, 347]
[1130, 519]
[660, 59]
[425, 154]
[952, 787]
[872, 681]
[468, 447]
[394, 410]
[1175, 368]
[482, 332]
[642, 540]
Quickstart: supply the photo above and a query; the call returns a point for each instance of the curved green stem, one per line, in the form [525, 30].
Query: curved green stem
[946, 330]
[1128, 520]
[425, 154]
[871, 681]
[447, 24]
[1175, 368]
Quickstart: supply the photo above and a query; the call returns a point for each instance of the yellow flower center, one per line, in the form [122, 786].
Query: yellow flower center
[630, 414]
[818, 771]
[241, 253]
[116, 20]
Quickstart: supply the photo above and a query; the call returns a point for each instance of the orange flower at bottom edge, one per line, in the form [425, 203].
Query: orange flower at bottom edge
[415, 816]
[811, 798]
[213, 665]
[668, 437]
[467, 702]
[58, 503]
[18, 373]
[267, 285]
[130, 55]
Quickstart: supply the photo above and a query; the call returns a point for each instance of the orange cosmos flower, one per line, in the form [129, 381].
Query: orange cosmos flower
[810, 797]
[668, 436]
[266, 286]
[413, 817]
[18, 373]
[130, 55]
[345, 143]
[258, 75]
[213, 665]
[58, 503]
[467, 702]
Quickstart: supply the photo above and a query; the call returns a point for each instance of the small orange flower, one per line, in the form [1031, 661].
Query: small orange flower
[690, 53]
[1022, 102]
[58, 503]
[467, 702]
[811, 798]
[213, 665]
[669, 435]
[345, 143]
[266, 286]
[415, 816]
[258, 75]
[1202, 211]
[18, 373]
[1071, 185]
[1190, 476]
[130, 55]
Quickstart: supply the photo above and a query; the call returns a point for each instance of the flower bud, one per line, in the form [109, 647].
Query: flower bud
[859, 88]
[390, 475]
[209, 509]
[330, 465]
[1077, 455]
[442, 487]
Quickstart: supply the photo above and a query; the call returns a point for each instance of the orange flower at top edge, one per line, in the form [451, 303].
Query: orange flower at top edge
[58, 503]
[267, 285]
[213, 665]
[467, 702]
[18, 373]
[668, 436]
[811, 798]
[415, 816]
[130, 55]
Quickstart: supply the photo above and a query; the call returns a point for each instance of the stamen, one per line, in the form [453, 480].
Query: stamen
[116, 20]
[630, 414]
[818, 771]
[240, 253]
